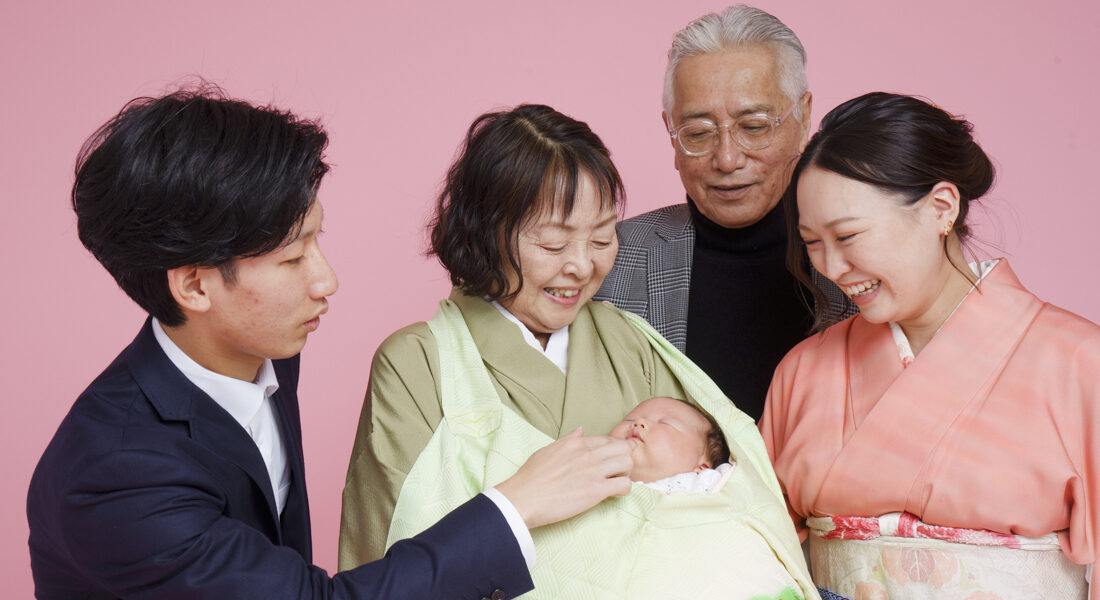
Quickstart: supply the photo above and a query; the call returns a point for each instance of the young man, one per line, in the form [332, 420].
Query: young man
[179, 471]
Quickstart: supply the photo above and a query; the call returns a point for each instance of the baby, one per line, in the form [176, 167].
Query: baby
[670, 437]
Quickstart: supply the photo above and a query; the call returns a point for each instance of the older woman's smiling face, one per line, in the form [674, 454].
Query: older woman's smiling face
[563, 262]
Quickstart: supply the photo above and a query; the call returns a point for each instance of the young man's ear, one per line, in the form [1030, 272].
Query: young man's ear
[188, 288]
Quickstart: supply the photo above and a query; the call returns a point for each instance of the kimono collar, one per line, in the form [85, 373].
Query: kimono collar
[904, 349]
[556, 348]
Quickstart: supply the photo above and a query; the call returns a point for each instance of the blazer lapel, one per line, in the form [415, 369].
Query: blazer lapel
[295, 522]
[177, 399]
[669, 276]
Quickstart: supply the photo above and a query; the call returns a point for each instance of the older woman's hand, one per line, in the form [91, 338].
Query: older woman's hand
[567, 477]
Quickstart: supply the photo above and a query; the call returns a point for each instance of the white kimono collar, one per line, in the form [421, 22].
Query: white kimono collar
[557, 348]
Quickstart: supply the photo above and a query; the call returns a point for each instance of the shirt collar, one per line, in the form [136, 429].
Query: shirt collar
[241, 399]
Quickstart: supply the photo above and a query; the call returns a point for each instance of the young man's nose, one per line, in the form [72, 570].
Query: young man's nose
[325, 282]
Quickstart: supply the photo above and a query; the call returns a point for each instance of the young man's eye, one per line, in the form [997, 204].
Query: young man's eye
[293, 261]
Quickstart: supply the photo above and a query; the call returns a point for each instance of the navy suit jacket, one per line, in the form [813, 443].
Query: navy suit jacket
[149, 489]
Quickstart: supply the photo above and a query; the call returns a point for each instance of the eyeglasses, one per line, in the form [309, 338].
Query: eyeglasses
[751, 132]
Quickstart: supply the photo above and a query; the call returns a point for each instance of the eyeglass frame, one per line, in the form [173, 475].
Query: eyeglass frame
[774, 122]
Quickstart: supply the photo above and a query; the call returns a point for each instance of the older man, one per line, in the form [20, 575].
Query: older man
[710, 274]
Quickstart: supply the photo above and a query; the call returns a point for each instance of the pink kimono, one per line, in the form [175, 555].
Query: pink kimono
[994, 426]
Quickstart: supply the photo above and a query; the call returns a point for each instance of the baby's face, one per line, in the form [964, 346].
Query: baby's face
[667, 437]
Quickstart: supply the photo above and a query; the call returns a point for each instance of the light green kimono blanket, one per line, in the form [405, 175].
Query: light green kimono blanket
[736, 543]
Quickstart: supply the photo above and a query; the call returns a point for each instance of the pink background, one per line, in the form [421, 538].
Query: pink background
[398, 85]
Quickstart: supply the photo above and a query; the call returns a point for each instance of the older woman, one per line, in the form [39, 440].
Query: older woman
[942, 443]
[518, 356]
[526, 228]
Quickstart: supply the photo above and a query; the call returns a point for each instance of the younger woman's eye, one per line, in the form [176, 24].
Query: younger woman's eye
[810, 242]
[845, 238]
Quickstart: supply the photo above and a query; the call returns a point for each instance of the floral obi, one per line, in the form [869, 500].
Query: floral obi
[899, 557]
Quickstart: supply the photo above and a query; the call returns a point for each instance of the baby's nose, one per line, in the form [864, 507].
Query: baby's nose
[639, 425]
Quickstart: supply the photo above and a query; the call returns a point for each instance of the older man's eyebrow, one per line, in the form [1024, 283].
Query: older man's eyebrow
[695, 115]
[748, 110]
[756, 108]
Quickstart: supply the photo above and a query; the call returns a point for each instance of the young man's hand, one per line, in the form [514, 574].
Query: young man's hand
[568, 477]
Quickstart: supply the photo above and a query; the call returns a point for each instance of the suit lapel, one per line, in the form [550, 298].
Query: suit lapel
[175, 398]
[668, 278]
[295, 523]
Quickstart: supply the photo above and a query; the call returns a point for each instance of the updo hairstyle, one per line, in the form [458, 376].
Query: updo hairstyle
[900, 144]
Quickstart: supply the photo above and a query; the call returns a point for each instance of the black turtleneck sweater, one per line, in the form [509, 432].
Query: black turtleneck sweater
[745, 310]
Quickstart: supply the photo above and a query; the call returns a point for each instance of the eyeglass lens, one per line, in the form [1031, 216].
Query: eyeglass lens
[752, 132]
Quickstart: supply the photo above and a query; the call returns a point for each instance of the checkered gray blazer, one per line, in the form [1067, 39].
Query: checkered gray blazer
[652, 273]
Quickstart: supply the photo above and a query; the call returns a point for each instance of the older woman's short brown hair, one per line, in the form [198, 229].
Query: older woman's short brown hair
[514, 166]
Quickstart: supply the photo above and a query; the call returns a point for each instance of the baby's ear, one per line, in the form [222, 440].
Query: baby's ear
[703, 465]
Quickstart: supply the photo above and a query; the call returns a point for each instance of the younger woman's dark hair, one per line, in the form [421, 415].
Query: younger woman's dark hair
[900, 144]
[192, 178]
[514, 166]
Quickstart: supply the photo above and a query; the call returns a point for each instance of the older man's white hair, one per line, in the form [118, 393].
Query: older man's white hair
[737, 27]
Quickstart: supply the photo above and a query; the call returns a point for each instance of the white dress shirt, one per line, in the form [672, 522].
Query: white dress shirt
[249, 403]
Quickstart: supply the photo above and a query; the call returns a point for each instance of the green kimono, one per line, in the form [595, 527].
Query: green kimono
[612, 367]
[737, 543]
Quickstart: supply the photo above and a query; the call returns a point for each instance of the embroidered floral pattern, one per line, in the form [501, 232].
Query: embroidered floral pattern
[920, 565]
[899, 557]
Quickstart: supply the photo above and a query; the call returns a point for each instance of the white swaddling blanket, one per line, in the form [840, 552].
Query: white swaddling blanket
[706, 481]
